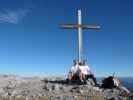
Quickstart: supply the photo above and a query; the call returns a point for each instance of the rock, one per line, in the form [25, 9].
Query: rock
[124, 89]
[31, 88]
[97, 89]
[90, 82]
[2, 91]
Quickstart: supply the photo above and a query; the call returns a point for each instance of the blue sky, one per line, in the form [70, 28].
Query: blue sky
[32, 43]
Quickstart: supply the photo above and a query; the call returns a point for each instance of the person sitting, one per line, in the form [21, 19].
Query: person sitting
[111, 82]
[81, 72]
[74, 73]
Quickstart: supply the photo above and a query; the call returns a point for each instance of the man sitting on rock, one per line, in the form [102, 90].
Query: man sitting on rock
[80, 72]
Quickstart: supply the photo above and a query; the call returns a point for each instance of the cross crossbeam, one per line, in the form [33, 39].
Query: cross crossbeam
[76, 26]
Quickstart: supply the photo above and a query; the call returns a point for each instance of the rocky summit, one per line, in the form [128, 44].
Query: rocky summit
[54, 88]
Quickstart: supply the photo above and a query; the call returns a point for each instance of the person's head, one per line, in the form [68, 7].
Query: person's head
[75, 62]
[80, 63]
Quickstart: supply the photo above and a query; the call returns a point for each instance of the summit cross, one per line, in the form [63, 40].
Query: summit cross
[79, 26]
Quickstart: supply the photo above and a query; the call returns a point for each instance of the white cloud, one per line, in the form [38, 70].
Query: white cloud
[13, 17]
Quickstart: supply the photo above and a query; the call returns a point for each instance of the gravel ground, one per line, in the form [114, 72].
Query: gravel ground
[54, 88]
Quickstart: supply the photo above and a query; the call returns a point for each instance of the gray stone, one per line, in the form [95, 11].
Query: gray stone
[33, 87]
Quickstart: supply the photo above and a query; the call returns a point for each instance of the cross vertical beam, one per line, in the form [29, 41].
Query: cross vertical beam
[79, 36]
